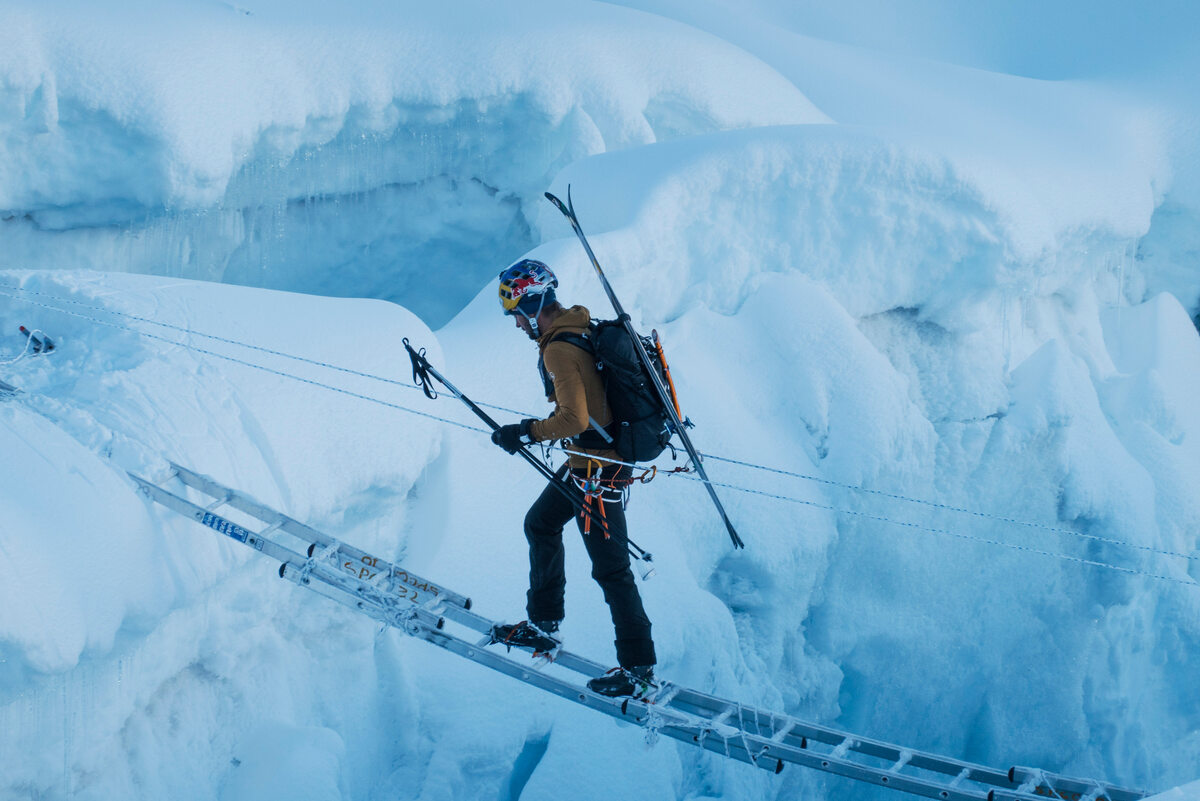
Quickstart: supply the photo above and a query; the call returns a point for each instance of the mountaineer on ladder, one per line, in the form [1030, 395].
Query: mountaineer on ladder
[582, 415]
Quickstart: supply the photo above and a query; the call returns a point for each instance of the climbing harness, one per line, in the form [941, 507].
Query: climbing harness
[597, 491]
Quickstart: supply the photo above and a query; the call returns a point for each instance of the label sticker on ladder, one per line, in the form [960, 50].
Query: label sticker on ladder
[226, 527]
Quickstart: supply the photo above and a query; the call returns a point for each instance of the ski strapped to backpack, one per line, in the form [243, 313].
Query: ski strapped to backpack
[664, 398]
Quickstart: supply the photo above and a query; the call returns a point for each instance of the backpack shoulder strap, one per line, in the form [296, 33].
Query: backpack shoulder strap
[578, 340]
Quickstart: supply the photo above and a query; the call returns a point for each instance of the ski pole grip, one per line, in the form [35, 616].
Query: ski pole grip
[420, 368]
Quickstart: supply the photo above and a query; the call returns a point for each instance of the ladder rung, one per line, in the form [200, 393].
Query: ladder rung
[1029, 786]
[779, 736]
[843, 748]
[724, 716]
[666, 698]
[1076, 787]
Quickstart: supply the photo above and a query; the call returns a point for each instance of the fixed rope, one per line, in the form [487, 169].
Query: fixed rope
[949, 508]
[245, 363]
[948, 532]
[17, 293]
[894, 496]
[8, 290]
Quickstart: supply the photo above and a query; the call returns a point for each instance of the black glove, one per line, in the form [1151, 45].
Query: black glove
[511, 437]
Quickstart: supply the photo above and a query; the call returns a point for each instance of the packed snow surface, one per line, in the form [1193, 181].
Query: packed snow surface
[945, 288]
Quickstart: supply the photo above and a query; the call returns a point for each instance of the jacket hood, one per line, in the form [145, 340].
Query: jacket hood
[574, 320]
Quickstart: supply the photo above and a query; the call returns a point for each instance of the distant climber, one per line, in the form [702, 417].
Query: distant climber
[581, 413]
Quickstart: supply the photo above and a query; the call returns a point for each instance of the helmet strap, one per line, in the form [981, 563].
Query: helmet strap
[533, 326]
[532, 318]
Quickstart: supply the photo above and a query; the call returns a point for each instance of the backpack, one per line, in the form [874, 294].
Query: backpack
[640, 428]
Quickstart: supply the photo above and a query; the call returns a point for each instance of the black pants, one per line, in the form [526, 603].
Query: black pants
[610, 568]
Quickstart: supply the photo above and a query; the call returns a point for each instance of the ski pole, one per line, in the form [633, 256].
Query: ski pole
[422, 369]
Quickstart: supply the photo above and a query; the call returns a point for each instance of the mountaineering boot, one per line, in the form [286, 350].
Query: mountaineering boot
[618, 682]
[538, 635]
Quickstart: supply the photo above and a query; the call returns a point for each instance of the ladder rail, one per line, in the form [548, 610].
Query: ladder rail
[295, 566]
[764, 739]
[1071, 789]
[218, 523]
[755, 750]
[260, 541]
[403, 619]
[358, 560]
[802, 734]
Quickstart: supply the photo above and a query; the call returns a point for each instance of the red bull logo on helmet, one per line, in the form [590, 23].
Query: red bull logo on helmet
[527, 277]
[522, 285]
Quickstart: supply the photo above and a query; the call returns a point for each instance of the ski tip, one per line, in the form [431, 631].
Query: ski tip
[567, 208]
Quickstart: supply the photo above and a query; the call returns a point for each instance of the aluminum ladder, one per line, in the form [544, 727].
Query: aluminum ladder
[396, 597]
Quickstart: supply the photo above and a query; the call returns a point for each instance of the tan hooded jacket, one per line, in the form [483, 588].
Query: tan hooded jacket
[578, 389]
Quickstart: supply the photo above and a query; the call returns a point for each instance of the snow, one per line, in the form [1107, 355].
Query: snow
[233, 145]
[1185, 793]
[950, 280]
[287, 762]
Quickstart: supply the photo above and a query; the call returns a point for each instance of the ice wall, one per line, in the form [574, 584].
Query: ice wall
[895, 332]
[383, 150]
[954, 295]
[1059, 130]
[139, 656]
